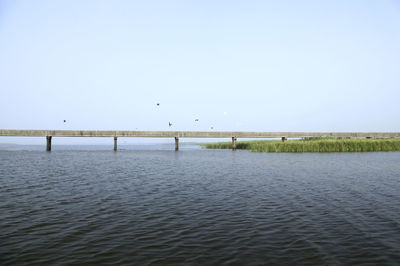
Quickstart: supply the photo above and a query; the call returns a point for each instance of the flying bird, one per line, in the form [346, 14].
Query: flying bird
[65, 121]
[158, 104]
[196, 120]
[169, 124]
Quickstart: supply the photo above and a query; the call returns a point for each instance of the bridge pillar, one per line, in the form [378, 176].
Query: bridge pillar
[115, 143]
[234, 143]
[284, 139]
[176, 143]
[48, 143]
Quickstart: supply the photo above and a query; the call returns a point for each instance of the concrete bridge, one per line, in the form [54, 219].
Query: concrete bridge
[187, 134]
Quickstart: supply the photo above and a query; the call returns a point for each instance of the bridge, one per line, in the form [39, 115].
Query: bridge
[187, 134]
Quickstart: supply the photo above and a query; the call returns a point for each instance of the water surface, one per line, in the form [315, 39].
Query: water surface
[198, 207]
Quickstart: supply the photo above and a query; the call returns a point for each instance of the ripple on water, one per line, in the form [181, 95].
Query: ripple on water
[199, 207]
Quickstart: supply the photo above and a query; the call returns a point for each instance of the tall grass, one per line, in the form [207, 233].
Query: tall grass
[314, 145]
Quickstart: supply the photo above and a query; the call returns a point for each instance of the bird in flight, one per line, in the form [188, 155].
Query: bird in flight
[196, 120]
[158, 104]
[169, 124]
[65, 121]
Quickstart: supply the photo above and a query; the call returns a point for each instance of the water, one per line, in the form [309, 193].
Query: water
[198, 207]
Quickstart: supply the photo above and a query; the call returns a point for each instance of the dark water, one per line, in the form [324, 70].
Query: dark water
[198, 207]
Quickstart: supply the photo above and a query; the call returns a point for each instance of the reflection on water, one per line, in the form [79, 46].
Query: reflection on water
[199, 207]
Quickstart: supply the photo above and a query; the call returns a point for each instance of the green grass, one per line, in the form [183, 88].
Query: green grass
[313, 145]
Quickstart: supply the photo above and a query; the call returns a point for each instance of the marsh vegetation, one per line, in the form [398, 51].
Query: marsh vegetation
[313, 145]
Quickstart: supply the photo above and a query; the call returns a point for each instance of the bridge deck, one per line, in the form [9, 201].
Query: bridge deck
[188, 134]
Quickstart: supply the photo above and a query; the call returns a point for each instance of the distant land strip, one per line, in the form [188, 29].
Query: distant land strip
[190, 134]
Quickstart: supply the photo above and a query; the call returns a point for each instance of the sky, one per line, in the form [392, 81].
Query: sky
[233, 65]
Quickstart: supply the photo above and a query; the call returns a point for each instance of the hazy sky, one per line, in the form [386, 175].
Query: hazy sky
[234, 65]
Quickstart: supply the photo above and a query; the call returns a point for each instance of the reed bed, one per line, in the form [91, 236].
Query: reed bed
[313, 145]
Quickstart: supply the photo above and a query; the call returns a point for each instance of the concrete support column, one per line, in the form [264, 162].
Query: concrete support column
[284, 139]
[234, 143]
[115, 143]
[176, 143]
[48, 143]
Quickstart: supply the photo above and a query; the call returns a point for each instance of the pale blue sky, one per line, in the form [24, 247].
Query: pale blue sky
[234, 65]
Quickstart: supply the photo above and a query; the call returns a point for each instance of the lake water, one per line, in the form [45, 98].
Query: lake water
[152, 206]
